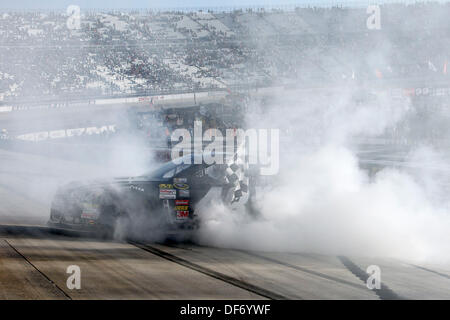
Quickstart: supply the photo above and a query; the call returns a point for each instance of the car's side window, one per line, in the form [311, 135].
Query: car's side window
[199, 172]
[214, 171]
[189, 170]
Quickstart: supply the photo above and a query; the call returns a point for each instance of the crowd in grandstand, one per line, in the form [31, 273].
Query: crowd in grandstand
[120, 53]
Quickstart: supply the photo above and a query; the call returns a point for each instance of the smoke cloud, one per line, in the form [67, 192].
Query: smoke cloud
[324, 202]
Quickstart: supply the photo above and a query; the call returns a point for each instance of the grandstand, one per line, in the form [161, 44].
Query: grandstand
[145, 53]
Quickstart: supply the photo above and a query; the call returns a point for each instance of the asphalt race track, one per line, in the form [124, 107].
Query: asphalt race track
[34, 258]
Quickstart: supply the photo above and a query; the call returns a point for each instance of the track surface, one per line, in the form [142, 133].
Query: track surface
[34, 258]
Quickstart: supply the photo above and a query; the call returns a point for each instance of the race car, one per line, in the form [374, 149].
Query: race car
[158, 203]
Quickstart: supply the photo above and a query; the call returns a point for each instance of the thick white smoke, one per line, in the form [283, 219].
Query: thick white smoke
[322, 201]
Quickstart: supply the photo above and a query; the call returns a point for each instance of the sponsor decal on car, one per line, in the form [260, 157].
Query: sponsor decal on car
[181, 186]
[167, 193]
[184, 193]
[181, 208]
[181, 215]
[181, 202]
[179, 180]
[89, 211]
[166, 186]
[87, 215]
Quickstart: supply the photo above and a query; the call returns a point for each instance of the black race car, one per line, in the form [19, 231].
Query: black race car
[156, 203]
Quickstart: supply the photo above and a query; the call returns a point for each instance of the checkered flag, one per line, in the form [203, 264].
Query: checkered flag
[236, 176]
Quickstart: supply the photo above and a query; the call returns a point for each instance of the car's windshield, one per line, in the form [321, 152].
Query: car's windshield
[168, 170]
[162, 170]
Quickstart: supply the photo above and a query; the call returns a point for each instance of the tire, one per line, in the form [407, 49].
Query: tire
[107, 222]
[122, 227]
[106, 232]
